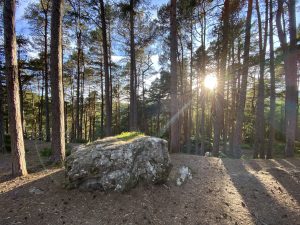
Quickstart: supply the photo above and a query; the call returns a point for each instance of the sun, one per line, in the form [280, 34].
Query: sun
[210, 82]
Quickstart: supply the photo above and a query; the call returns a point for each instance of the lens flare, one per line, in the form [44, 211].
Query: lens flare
[210, 82]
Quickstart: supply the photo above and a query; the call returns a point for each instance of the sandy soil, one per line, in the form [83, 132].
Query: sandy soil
[222, 191]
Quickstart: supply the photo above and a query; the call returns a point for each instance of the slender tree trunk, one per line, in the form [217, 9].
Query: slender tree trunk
[290, 68]
[108, 105]
[272, 88]
[78, 131]
[58, 127]
[81, 112]
[41, 114]
[219, 121]
[259, 145]
[234, 75]
[133, 75]
[102, 100]
[73, 134]
[78, 87]
[203, 98]
[174, 137]
[46, 77]
[21, 91]
[190, 94]
[2, 144]
[243, 90]
[11, 65]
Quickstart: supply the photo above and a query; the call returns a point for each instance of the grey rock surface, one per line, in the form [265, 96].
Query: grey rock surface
[111, 164]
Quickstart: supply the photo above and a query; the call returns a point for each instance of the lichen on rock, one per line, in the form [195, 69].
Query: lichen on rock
[112, 164]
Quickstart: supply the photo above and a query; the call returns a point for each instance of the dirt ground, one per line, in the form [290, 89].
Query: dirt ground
[222, 191]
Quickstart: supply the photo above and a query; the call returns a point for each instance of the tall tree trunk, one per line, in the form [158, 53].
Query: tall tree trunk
[190, 94]
[81, 112]
[174, 137]
[11, 65]
[234, 75]
[259, 139]
[219, 121]
[102, 100]
[58, 127]
[21, 90]
[108, 105]
[46, 75]
[2, 144]
[243, 90]
[77, 10]
[133, 75]
[272, 88]
[41, 114]
[290, 69]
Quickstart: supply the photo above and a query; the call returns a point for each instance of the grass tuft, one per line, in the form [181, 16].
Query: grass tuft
[126, 136]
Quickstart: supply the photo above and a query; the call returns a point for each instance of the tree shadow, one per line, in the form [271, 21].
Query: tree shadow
[265, 208]
[286, 179]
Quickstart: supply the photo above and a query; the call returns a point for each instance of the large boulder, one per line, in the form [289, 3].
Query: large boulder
[113, 164]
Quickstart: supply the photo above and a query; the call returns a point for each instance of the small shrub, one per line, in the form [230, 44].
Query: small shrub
[223, 155]
[68, 150]
[46, 152]
[246, 146]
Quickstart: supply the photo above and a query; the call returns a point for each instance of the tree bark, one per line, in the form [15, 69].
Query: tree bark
[58, 127]
[237, 138]
[21, 89]
[219, 121]
[259, 145]
[45, 11]
[290, 69]
[272, 88]
[2, 144]
[174, 137]
[133, 75]
[108, 105]
[11, 65]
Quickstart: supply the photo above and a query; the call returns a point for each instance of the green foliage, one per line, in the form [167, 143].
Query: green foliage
[246, 146]
[223, 155]
[126, 136]
[46, 152]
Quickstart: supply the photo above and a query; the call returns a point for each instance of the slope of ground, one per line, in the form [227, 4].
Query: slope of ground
[222, 191]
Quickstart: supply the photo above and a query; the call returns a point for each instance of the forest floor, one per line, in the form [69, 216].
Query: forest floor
[222, 191]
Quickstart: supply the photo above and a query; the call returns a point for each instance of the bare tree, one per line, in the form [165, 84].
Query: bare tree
[58, 127]
[16, 131]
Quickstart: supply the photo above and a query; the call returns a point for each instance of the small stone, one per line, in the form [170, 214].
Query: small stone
[35, 191]
[184, 174]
